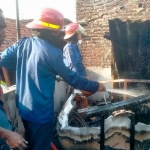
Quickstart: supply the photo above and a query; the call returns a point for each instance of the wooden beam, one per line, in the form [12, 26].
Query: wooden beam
[112, 67]
[130, 104]
[125, 87]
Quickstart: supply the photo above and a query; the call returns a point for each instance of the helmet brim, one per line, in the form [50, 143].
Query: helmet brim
[35, 25]
[68, 36]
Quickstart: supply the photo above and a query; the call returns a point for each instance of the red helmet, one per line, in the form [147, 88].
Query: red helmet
[48, 18]
[73, 28]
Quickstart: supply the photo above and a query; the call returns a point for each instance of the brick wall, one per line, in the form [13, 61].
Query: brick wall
[94, 15]
[11, 32]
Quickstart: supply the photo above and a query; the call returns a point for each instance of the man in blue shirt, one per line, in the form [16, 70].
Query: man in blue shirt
[71, 51]
[73, 59]
[8, 139]
[37, 61]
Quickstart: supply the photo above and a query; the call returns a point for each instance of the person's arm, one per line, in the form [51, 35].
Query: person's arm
[8, 58]
[73, 78]
[75, 60]
[4, 102]
[71, 59]
[5, 105]
[13, 139]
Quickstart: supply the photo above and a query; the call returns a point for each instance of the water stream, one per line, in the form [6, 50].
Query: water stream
[130, 92]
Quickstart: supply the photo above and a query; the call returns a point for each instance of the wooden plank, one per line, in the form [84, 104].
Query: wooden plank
[118, 80]
[125, 87]
[125, 80]
[112, 67]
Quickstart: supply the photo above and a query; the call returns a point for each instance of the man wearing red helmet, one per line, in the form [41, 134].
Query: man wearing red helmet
[37, 61]
[73, 59]
[71, 51]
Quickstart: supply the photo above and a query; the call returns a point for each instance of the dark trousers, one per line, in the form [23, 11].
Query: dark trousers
[38, 135]
[4, 146]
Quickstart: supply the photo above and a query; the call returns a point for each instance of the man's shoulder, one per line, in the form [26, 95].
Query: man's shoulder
[70, 45]
[48, 50]
[53, 49]
[40, 46]
[23, 40]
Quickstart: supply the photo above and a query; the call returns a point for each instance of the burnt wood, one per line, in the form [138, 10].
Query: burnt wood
[130, 104]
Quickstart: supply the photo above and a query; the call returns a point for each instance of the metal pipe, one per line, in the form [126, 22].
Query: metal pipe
[102, 133]
[132, 132]
[17, 21]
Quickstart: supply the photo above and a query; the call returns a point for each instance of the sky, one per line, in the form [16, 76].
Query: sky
[29, 8]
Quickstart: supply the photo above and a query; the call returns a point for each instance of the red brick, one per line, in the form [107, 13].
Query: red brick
[11, 32]
[97, 26]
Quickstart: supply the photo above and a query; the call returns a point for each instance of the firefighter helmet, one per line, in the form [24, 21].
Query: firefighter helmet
[73, 28]
[48, 18]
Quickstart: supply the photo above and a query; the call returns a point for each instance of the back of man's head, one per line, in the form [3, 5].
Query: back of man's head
[2, 27]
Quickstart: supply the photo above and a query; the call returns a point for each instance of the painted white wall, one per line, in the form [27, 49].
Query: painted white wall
[99, 74]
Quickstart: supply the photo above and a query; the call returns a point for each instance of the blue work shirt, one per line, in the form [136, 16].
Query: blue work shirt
[73, 59]
[37, 63]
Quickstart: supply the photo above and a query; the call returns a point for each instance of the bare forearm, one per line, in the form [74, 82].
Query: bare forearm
[14, 140]
[5, 105]
[4, 133]
[6, 110]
